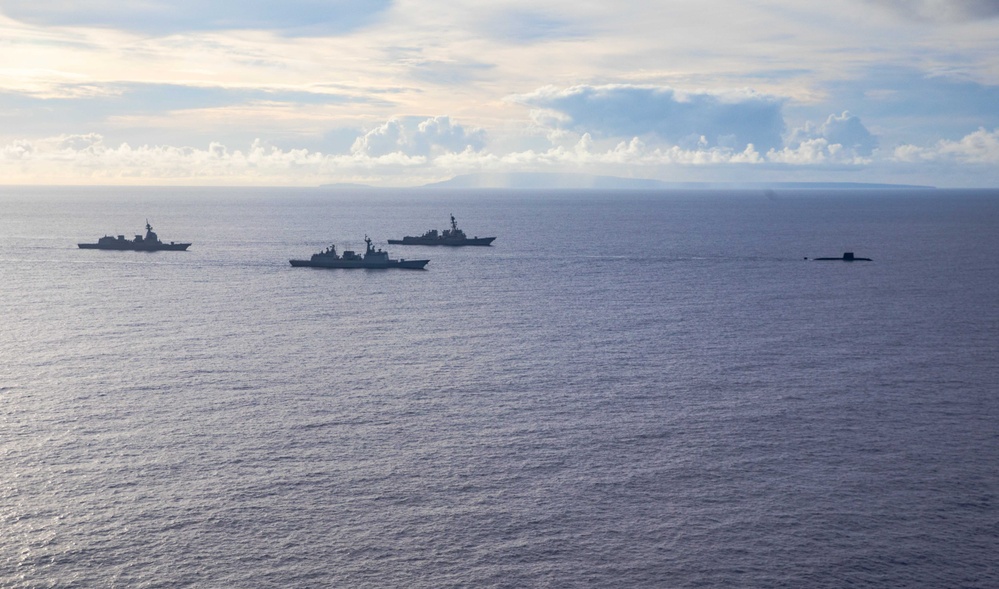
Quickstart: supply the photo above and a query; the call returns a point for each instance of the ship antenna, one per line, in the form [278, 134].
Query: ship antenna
[454, 224]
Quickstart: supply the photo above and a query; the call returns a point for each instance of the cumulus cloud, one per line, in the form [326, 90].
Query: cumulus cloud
[848, 131]
[841, 137]
[305, 17]
[88, 158]
[433, 136]
[730, 120]
[424, 148]
[980, 147]
[671, 127]
[75, 158]
[434, 149]
[813, 152]
[414, 151]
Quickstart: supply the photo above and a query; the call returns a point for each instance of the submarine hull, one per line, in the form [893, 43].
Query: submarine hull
[847, 257]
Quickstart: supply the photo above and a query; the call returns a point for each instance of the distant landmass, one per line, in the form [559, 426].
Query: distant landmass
[345, 185]
[541, 181]
[577, 181]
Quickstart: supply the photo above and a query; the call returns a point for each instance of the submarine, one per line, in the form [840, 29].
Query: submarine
[847, 257]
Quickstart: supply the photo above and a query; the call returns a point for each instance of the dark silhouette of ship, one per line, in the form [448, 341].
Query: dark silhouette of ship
[847, 257]
[371, 259]
[149, 243]
[452, 236]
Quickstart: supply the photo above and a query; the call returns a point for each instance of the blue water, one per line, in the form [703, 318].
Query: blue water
[628, 389]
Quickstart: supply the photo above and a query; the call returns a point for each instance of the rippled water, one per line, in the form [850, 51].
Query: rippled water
[626, 390]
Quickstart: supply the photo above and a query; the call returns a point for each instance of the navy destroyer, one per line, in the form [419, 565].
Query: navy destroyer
[149, 243]
[452, 236]
[371, 259]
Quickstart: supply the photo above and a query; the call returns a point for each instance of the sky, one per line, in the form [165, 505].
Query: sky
[403, 92]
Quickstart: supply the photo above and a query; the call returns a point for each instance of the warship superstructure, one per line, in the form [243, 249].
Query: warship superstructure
[372, 258]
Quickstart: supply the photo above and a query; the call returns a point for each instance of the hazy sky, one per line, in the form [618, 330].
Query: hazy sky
[405, 92]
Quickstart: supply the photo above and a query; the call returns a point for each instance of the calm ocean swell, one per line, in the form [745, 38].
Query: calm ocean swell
[627, 389]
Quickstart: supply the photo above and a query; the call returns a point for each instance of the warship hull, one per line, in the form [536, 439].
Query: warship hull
[170, 247]
[405, 264]
[448, 242]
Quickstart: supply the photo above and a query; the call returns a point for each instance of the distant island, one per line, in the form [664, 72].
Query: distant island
[554, 181]
[540, 180]
[340, 185]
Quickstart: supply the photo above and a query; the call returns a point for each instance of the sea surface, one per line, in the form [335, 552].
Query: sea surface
[627, 389]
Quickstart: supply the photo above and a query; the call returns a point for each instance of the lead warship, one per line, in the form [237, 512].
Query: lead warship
[452, 236]
[149, 243]
[371, 259]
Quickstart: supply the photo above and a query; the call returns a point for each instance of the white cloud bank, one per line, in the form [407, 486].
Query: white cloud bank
[980, 147]
[583, 134]
[87, 159]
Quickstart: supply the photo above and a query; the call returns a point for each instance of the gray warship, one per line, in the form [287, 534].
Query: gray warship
[452, 237]
[149, 243]
[371, 259]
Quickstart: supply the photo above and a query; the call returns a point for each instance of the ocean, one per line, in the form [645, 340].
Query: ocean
[627, 389]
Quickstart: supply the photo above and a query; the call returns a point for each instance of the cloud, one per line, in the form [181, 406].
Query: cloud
[413, 151]
[816, 152]
[141, 113]
[664, 126]
[395, 153]
[128, 97]
[160, 17]
[980, 147]
[688, 119]
[449, 73]
[76, 158]
[531, 25]
[848, 131]
[845, 131]
[417, 148]
[407, 151]
[893, 93]
[432, 136]
[942, 10]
